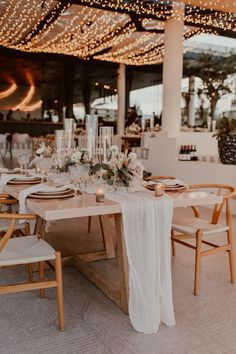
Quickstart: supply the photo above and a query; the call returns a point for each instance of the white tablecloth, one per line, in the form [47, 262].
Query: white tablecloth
[147, 226]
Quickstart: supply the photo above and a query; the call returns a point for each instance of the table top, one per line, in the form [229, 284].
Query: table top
[68, 208]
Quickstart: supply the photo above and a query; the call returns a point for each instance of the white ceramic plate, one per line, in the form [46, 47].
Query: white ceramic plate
[55, 196]
[14, 182]
[54, 192]
[25, 178]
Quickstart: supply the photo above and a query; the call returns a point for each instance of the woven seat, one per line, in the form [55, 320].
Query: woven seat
[26, 249]
[30, 250]
[197, 229]
[189, 226]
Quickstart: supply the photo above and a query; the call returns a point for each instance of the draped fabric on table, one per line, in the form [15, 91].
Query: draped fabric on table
[146, 227]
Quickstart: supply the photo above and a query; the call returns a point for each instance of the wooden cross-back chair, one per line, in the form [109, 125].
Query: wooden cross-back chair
[27, 250]
[199, 229]
[6, 204]
[6, 200]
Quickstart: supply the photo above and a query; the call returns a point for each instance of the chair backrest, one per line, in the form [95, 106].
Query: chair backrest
[5, 199]
[224, 190]
[12, 221]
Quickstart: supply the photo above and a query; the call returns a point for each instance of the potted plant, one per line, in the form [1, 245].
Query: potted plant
[226, 136]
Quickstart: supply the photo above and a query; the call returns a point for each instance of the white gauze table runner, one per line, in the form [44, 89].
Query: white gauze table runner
[147, 228]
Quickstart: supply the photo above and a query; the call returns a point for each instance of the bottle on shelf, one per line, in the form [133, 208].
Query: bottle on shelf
[181, 152]
[188, 153]
[195, 157]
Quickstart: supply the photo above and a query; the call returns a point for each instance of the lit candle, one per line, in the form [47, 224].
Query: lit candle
[143, 123]
[105, 149]
[151, 123]
[159, 189]
[100, 195]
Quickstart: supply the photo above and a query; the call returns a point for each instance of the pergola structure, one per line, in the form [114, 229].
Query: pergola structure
[128, 32]
[121, 31]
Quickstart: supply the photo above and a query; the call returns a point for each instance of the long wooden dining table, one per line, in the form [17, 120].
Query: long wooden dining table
[96, 265]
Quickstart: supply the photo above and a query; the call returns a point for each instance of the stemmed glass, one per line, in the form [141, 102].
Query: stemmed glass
[23, 161]
[79, 177]
[45, 165]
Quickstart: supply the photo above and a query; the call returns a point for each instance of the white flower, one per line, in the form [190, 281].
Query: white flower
[132, 156]
[76, 156]
[114, 150]
[40, 151]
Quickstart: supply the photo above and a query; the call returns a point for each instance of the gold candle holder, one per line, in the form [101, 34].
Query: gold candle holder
[100, 195]
[159, 189]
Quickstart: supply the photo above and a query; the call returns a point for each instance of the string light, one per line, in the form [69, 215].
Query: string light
[9, 91]
[88, 30]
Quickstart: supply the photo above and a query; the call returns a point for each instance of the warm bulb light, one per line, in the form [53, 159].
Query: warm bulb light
[9, 91]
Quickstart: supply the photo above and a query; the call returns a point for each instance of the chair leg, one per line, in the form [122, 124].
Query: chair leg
[231, 255]
[27, 229]
[89, 224]
[58, 271]
[197, 261]
[41, 278]
[30, 273]
[172, 243]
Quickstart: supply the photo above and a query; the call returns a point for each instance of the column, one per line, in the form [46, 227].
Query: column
[191, 108]
[172, 70]
[121, 99]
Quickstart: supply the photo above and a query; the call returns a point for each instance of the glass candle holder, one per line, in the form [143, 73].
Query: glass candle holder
[159, 189]
[69, 133]
[100, 195]
[60, 140]
[151, 124]
[143, 124]
[106, 135]
[91, 134]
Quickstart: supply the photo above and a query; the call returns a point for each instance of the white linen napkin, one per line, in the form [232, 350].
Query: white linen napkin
[4, 179]
[147, 228]
[34, 189]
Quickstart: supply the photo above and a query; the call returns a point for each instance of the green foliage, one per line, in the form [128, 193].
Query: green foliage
[214, 72]
[226, 127]
[110, 175]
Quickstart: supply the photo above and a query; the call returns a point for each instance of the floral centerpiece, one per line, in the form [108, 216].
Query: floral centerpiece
[120, 169]
[66, 158]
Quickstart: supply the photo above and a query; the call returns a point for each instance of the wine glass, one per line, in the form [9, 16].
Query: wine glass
[75, 178]
[23, 161]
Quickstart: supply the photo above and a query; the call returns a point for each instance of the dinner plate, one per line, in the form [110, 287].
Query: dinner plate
[55, 196]
[151, 187]
[175, 188]
[18, 182]
[54, 192]
[25, 178]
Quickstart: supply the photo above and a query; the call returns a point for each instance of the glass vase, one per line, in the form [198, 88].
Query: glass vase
[69, 133]
[91, 135]
[106, 135]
